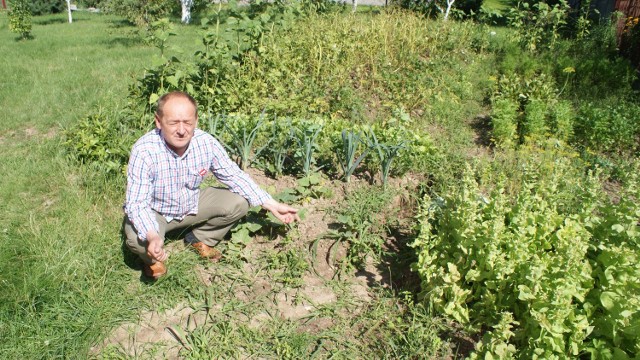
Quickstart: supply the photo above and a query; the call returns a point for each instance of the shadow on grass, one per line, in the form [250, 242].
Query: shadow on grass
[24, 38]
[121, 23]
[481, 125]
[124, 41]
[395, 267]
[61, 20]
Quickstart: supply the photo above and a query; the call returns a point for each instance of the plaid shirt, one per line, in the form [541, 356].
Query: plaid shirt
[158, 179]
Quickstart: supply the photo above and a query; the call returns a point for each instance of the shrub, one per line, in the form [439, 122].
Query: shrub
[92, 3]
[542, 261]
[535, 119]
[20, 18]
[142, 12]
[504, 119]
[432, 7]
[538, 26]
[43, 7]
[562, 119]
[102, 142]
[611, 128]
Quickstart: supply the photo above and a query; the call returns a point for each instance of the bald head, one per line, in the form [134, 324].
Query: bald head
[174, 95]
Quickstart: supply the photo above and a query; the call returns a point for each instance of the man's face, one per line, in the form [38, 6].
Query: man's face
[177, 124]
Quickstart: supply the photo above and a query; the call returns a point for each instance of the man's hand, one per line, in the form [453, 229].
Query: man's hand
[282, 212]
[154, 247]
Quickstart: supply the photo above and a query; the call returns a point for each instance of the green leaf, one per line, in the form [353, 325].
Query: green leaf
[302, 213]
[608, 299]
[305, 181]
[173, 80]
[241, 236]
[253, 227]
[617, 228]
[525, 293]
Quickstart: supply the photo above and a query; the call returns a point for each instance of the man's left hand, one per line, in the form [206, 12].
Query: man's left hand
[282, 212]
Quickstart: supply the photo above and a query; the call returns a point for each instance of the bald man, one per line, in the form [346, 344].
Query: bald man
[166, 168]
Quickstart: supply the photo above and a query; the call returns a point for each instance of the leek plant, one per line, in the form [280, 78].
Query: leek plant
[351, 141]
[307, 135]
[386, 153]
[242, 133]
[282, 135]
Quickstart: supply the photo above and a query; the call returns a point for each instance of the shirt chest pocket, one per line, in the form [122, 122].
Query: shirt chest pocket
[193, 180]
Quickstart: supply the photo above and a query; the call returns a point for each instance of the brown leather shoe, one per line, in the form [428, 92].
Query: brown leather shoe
[155, 270]
[208, 252]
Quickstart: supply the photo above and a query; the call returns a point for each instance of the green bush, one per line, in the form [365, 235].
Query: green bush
[43, 7]
[504, 119]
[535, 119]
[611, 128]
[543, 262]
[102, 142]
[356, 68]
[20, 18]
[142, 12]
[538, 26]
[430, 7]
[92, 3]
[562, 120]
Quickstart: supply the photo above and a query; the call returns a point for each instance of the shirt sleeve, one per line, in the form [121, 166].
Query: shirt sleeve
[238, 181]
[140, 194]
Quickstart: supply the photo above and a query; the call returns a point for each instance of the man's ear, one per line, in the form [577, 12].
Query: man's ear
[157, 119]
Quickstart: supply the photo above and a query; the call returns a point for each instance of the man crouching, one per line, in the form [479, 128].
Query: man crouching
[165, 170]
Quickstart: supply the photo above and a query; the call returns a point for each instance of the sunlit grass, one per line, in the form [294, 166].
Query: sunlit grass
[497, 5]
[63, 281]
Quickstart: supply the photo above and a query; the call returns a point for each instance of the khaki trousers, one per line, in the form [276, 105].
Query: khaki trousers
[218, 210]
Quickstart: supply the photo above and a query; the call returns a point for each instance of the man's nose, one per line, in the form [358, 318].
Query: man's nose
[181, 128]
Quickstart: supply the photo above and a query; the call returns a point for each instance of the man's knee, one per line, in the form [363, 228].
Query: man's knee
[240, 207]
[131, 236]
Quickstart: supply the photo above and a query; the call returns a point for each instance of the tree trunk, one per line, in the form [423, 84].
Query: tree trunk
[69, 10]
[449, 4]
[186, 10]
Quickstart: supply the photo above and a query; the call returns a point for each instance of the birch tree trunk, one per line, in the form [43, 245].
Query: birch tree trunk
[186, 10]
[69, 10]
[449, 5]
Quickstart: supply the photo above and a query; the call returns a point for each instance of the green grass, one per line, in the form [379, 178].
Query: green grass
[63, 281]
[497, 5]
[68, 70]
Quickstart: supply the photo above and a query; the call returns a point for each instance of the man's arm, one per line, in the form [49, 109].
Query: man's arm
[239, 182]
[138, 205]
[139, 196]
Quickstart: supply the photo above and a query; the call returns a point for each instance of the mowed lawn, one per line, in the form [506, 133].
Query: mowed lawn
[62, 274]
